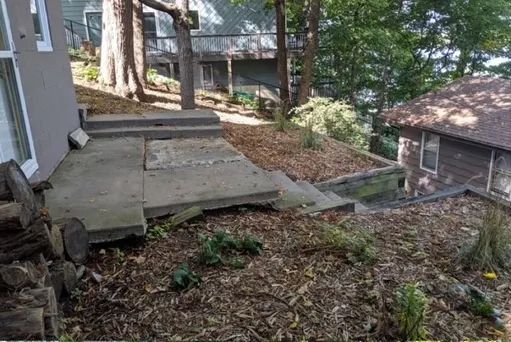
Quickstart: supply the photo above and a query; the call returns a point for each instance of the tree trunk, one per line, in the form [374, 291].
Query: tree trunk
[22, 324]
[24, 244]
[280, 12]
[14, 216]
[107, 64]
[139, 42]
[311, 47]
[76, 239]
[181, 22]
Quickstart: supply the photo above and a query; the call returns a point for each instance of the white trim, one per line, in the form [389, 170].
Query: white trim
[44, 45]
[29, 166]
[490, 175]
[435, 171]
[86, 23]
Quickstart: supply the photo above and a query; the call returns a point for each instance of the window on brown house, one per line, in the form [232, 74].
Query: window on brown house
[500, 182]
[429, 151]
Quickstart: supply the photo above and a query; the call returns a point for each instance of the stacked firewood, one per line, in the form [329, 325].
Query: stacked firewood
[38, 258]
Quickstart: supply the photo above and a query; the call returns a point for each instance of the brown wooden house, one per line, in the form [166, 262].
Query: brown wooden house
[458, 135]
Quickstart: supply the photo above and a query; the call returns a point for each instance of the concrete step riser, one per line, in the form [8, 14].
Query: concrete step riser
[213, 133]
[91, 125]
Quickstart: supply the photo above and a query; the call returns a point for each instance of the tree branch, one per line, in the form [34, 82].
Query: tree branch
[163, 6]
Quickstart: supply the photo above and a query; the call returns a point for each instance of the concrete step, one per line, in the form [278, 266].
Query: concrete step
[359, 207]
[314, 194]
[337, 205]
[159, 132]
[173, 118]
[332, 195]
[209, 187]
[290, 194]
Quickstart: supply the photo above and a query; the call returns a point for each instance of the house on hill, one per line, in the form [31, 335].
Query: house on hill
[38, 106]
[234, 46]
[457, 135]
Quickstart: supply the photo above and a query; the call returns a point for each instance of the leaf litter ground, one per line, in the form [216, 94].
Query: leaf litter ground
[296, 289]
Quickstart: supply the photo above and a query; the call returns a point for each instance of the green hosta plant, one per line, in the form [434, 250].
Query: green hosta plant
[336, 119]
[184, 278]
[412, 305]
[91, 73]
[152, 76]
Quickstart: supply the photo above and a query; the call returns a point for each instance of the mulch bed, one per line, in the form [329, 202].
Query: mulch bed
[295, 289]
[274, 150]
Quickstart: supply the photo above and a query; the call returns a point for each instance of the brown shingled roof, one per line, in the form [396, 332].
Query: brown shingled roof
[472, 108]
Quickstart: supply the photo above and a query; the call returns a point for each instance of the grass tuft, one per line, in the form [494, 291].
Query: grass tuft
[281, 124]
[492, 249]
[358, 245]
[412, 305]
[310, 139]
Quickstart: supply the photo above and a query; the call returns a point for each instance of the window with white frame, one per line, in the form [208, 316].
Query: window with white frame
[194, 20]
[429, 151]
[500, 179]
[41, 24]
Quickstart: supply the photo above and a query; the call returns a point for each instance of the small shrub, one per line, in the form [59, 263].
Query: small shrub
[281, 122]
[152, 76]
[336, 119]
[222, 242]
[481, 306]
[411, 312]
[170, 83]
[310, 139]
[91, 73]
[157, 232]
[184, 278]
[210, 251]
[492, 249]
[358, 245]
[119, 256]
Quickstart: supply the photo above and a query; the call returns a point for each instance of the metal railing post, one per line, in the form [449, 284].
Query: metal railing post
[72, 35]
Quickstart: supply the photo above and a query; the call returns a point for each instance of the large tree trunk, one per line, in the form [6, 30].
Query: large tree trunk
[179, 13]
[139, 42]
[107, 64]
[280, 12]
[117, 52]
[311, 47]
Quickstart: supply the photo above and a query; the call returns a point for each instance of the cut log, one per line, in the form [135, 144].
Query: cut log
[57, 242]
[63, 275]
[186, 215]
[14, 216]
[22, 324]
[39, 189]
[26, 243]
[37, 298]
[76, 239]
[14, 185]
[19, 275]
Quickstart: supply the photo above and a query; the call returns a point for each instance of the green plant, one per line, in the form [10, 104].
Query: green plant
[119, 256]
[358, 245]
[336, 119]
[91, 73]
[309, 138]
[238, 263]
[210, 251]
[481, 306]
[184, 278]
[152, 76]
[281, 122]
[170, 83]
[251, 245]
[412, 305]
[157, 232]
[492, 249]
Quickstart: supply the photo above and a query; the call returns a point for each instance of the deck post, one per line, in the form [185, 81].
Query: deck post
[229, 75]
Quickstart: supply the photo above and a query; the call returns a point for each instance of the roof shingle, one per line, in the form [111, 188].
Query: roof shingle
[473, 108]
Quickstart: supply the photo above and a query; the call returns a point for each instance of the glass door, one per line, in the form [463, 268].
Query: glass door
[14, 138]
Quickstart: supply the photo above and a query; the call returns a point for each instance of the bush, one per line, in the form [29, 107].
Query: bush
[492, 249]
[184, 278]
[358, 245]
[281, 122]
[212, 249]
[309, 138]
[91, 73]
[336, 119]
[411, 312]
[152, 76]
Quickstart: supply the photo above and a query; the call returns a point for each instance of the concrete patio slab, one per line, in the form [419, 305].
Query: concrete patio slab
[102, 185]
[167, 154]
[210, 187]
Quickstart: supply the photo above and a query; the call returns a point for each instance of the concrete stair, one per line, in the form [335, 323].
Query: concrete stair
[305, 196]
[168, 125]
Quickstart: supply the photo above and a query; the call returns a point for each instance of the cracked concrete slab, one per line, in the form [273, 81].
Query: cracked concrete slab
[174, 153]
[103, 186]
[209, 187]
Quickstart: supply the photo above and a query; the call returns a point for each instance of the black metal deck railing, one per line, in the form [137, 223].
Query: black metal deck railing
[77, 32]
